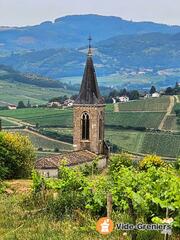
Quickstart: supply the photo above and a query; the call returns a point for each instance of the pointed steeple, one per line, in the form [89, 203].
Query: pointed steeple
[89, 50]
[89, 91]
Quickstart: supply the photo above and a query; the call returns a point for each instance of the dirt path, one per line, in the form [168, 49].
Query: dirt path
[21, 123]
[169, 110]
[116, 107]
[177, 99]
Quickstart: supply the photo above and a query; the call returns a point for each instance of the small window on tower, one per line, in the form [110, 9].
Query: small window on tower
[100, 129]
[85, 126]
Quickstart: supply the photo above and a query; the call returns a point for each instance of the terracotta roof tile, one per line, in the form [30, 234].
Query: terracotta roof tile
[72, 158]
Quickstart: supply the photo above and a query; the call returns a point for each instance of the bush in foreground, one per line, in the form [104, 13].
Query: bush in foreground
[17, 155]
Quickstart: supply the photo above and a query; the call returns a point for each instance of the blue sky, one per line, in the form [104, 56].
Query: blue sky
[31, 12]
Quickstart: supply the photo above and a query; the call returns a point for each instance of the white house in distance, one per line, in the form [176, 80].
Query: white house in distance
[124, 99]
[54, 104]
[156, 95]
[12, 107]
[69, 102]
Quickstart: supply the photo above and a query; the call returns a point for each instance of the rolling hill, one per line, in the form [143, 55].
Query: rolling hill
[72, 32]
[131, 54]
[152, 58]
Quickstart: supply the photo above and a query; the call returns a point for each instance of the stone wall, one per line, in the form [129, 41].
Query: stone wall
[94, 144]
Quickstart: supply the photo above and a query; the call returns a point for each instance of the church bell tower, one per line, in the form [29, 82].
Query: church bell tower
[88, 119]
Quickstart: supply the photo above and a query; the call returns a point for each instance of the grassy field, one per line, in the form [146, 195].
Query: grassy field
[15, 92]
[153, 105]
[6, 123]
[42, 116]
[177, 111]
[125, 139]
[18, 223]
[45, 144]
[63, 118]
[134, 119]
[21, 219]
[171, 123]
[163, 144]
[121, 80]
[136, 141]
[57, 123]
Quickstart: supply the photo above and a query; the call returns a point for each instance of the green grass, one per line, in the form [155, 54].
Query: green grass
[134, 119]
[163, 144]
[6, 123]
[63, 118]
[153, 105]
[15, 92]
[17, 222]
[40, 142]
[125, 139]
[59, 122]
[171, 123]
[109, 107]
[121, 79]
[42, 116]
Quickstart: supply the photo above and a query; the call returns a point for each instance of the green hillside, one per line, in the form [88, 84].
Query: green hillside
[121, 128]
[164, 144]
[13, 92]
[63, 118]
[152, 105]
[134, 119]
[45, 144]
[42, 116]
[137, 61]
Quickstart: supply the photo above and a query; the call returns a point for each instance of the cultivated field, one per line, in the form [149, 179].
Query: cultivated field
[164, 144]
[152, 105]
[43, 142]
[6, 123]
[134, 119]
[15, 92]
[121, 127]
[126, 139]
[42, 116]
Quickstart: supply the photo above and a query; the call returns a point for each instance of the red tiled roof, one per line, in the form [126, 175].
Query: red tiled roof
[72, 158]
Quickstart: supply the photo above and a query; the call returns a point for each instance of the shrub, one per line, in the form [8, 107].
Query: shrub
[17, 155]
[119, 160]
[56, 149]
[151, 160]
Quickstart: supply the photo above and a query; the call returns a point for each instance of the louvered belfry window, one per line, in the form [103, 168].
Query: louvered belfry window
[85, 126]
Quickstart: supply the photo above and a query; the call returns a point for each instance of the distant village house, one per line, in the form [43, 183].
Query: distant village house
[12, 107]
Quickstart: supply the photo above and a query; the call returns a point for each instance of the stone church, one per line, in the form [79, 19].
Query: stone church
[89, 112]
[88, 127]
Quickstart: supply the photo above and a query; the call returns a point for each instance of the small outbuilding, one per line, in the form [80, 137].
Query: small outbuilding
[156, 95]
[49, 166]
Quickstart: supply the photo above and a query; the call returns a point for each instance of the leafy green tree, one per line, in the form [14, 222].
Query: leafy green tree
[152, 90]
[16, 155]
[134, 95]
[169, 91]
[21, 104]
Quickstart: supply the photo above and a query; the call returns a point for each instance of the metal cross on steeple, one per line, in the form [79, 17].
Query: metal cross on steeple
[90, 49]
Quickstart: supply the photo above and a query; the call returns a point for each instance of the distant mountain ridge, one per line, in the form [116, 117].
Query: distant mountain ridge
[152, 50]
[72, 32]
[58, 49]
